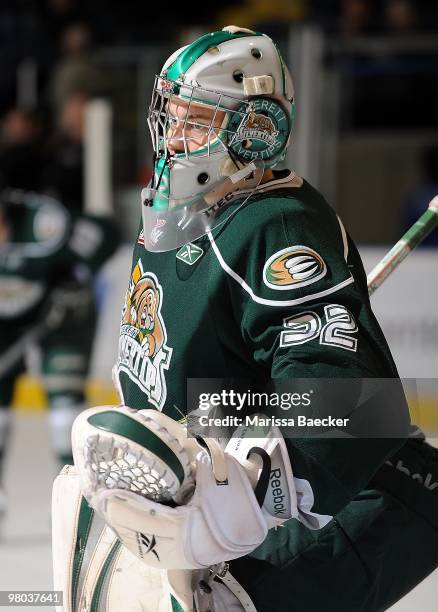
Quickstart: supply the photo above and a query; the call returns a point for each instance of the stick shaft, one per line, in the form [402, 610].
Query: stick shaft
[407, 243]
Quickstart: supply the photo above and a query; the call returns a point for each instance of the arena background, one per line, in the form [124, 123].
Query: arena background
[365, 74]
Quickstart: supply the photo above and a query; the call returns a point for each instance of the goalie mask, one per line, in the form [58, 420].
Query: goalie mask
[221, 113]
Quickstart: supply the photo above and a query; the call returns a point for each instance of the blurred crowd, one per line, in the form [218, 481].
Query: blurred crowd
[385, 17]
[32, 162]
[60, 34]
[48, 51]
[42, 130]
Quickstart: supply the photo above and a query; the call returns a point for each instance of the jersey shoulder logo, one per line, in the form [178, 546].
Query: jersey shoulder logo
[143, 351]
[293, 267]
[190, 253]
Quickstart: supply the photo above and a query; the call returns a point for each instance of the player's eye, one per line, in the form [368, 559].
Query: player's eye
[198, 126]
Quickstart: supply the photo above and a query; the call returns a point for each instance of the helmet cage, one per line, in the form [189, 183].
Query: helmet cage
[218, 136]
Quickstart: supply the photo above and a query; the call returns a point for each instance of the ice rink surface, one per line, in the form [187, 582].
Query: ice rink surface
[25, 558]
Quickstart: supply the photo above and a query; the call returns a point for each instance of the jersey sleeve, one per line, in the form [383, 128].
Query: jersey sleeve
[299, 296]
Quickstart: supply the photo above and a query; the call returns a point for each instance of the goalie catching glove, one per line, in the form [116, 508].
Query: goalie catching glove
[136, 466]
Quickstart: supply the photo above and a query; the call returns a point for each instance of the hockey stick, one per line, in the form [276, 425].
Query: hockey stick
[407, 243]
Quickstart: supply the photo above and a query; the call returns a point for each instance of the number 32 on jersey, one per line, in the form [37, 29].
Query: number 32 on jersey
[338, 328]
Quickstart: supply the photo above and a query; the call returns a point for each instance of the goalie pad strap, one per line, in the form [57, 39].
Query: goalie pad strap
[217, 458]
[238, 591]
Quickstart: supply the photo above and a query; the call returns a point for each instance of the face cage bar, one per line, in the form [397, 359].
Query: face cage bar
[160, 121]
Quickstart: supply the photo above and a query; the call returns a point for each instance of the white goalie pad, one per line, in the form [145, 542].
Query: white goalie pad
[94, 571]
[90, 566]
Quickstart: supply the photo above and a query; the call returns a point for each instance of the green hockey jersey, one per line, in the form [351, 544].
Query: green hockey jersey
[45, 246]
[276, 291]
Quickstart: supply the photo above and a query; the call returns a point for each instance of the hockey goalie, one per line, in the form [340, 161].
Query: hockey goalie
[239, 270]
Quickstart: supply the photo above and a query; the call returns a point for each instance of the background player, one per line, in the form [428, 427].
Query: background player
[48, 258]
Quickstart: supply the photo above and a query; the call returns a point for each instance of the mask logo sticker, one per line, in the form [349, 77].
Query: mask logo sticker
[263, 131]
[293, 267]
[190, 253]
[258, 126]
[143, 352]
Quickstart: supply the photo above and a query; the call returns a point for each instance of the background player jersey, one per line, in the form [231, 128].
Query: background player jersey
[277, 291]
[47, 246]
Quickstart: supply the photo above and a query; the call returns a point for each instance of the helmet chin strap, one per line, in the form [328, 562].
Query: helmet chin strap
[166, 161]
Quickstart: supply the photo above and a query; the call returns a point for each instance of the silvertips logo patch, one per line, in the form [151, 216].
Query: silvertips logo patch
[262, 132]
[144, 355]
[293, 267]
[258, 126]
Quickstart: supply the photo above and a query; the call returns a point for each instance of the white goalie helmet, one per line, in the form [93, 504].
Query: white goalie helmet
[221, 112]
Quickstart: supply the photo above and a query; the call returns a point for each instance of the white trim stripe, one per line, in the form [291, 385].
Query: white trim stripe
[271, 185]
[265, 302]
[344, 238]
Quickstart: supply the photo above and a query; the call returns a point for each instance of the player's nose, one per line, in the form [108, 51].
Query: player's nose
[175, 143]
